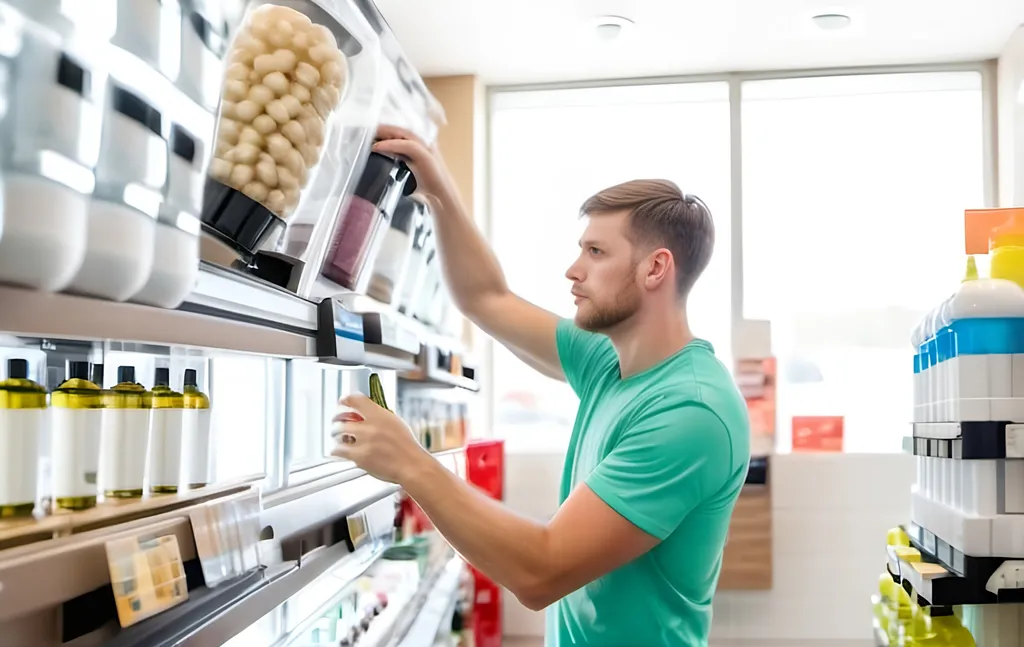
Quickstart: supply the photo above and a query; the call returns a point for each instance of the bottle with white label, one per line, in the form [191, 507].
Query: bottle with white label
[124, 442]
[77, 420]
[165, 436]
[22, 422]
[196, 468]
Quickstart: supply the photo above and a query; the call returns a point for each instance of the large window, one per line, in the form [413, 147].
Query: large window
[853, 191]
[552, 149]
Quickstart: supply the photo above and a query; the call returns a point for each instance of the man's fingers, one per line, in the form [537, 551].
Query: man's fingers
[387, 131]
[361, 404]
[406, 148]
[347, 416]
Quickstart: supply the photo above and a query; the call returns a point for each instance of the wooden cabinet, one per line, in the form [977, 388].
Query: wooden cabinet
[747, 562]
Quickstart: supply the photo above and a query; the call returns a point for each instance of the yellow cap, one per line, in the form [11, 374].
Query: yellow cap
[897, 537]
[971, 274]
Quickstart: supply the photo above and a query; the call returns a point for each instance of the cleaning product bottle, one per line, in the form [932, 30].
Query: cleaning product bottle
[22, 423]
[124, 441]
[77, 421]
[196, 426]
[165, 436]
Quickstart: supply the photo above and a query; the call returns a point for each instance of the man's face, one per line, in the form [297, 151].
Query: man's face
[604, 277]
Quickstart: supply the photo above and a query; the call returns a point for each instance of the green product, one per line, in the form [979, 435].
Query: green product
[165, 437]
[124, 444]
[77, 420]
[22, 420]
[377, 391]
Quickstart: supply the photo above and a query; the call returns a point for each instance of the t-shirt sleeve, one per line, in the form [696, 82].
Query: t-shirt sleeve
[584, 355]
[664, 466]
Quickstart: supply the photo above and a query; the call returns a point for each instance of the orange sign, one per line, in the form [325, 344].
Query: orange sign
[817, 433]
[756, 381]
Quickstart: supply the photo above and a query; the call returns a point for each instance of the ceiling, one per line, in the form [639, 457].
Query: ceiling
[532, 41]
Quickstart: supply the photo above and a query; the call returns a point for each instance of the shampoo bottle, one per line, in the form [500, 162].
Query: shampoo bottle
[124, 442]
[165, 434]
[196, 427]
[22, 422]
[75, 438]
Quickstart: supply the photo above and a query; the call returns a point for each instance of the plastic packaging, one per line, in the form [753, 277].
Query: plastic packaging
[165, 436]
[203, 45]
[175, 267]
[196, 425]
[422, 254]
[124, 442]
[393, 258]
[369, 210]
[49, 142]
[77, 419]
[130, 177]
[22, 422]
[294, 74]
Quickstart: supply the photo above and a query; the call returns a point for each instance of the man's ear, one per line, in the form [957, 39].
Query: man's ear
[659, 268]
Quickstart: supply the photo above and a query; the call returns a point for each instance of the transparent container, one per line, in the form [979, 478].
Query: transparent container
[396, 249]
[299, 107]
[367, 215]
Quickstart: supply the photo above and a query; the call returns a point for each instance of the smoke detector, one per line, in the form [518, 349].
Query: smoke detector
[610, 28]
[832, 21]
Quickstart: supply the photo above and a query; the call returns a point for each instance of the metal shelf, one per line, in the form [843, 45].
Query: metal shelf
[27, 313]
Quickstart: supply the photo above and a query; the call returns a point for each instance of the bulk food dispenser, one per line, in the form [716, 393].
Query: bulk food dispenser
[299, 107]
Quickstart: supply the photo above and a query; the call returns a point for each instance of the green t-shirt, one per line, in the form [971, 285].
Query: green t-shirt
[667, 449]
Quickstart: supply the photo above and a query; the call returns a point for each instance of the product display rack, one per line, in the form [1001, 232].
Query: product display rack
[248, 547]
[960, 559]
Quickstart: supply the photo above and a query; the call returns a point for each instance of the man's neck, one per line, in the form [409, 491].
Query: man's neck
[647, 340]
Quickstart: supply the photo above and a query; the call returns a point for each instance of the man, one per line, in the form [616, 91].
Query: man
[660, 446]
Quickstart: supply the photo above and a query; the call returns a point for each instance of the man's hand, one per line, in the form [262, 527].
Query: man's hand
[433, 180]
[377, 441]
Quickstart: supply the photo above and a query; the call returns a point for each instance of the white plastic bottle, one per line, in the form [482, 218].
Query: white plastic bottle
[124, 442]
[77, 420]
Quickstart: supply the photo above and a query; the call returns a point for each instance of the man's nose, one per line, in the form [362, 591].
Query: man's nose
[573, 273]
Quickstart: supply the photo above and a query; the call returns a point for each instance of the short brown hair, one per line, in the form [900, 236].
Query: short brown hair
[662, 216]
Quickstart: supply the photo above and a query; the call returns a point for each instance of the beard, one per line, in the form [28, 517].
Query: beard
[606, 316]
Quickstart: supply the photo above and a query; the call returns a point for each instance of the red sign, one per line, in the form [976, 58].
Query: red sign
[817, 433]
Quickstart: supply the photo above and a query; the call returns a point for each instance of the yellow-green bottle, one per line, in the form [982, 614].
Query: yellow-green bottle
[196, 442]
[76, 425]
[165, 436]
[22, 422]
[124, 442]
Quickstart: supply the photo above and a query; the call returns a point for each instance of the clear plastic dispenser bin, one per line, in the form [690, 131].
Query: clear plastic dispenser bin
[299, 106]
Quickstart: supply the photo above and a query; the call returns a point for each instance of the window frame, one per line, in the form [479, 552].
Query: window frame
[735, 81]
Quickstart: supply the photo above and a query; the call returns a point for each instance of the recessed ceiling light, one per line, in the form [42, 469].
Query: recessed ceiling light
[831, 21]
[609, 28]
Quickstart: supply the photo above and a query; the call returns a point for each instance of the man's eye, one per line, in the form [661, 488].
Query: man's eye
[594, 251]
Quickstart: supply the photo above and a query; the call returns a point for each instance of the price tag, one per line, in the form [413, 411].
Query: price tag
[147, 576]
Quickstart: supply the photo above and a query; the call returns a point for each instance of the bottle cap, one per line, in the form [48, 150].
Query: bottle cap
[125, 374]
[97, 374]
[78, 370]
[17, 369]
[162, 377]
[190, 377]
[971, 273]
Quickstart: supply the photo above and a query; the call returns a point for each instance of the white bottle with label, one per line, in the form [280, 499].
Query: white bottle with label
[124, 442]
[165, 438]
[196, 452]
[22, 423]
[77, 421]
